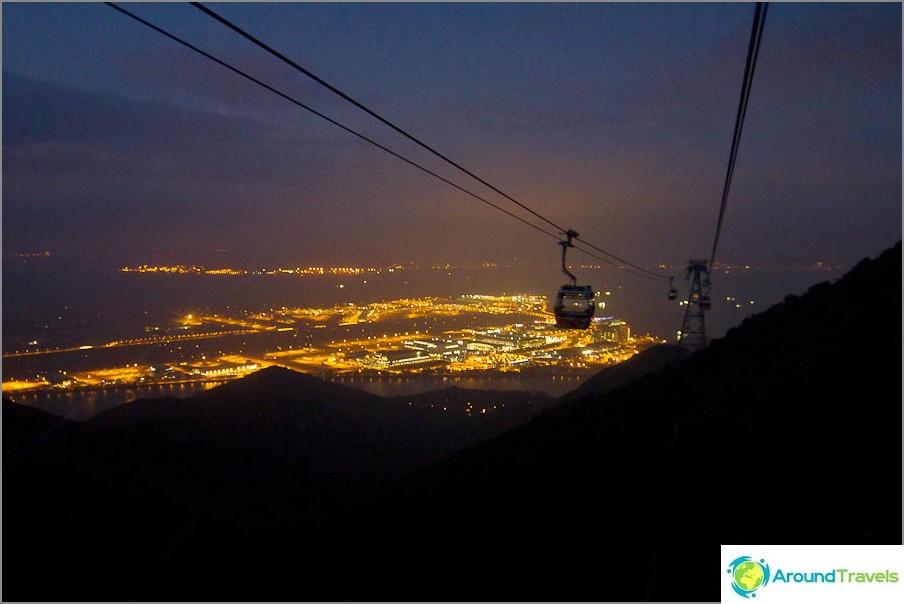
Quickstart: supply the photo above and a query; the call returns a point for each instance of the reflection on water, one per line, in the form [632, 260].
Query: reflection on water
[552, 385]
[81, 405]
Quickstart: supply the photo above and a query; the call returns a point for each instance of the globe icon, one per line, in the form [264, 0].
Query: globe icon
[748, 575]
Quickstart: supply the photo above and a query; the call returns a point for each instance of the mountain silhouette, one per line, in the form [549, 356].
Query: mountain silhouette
[281, 486]
[155, 485]
[787, 430]
[650, 360]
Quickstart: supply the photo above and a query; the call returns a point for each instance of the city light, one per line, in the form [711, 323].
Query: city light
[517, 334]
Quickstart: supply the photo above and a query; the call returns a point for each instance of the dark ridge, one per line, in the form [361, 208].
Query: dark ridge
[165, 492]
[25, 429]
[283, 487]
[278, 385]
[140, 411]
[774, 424]
[646, 362]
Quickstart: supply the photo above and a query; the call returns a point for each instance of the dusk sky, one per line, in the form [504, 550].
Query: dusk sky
[613, 119]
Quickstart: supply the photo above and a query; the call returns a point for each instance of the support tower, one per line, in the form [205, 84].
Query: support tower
[693, 331]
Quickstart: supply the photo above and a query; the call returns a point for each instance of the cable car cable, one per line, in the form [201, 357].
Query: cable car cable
[692, 331]
[362, 107]
[753, 50]
[349, 130]
[621, 260]
[398, 129]
[327, 118]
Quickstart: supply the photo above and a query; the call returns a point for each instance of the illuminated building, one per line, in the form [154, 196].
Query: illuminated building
[612, 330]
[450, 350]
[387, 359]
[505, 341]
[230, 369]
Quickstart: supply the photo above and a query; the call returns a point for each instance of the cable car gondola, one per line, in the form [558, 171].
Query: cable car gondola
[673, 293]
[574, 305]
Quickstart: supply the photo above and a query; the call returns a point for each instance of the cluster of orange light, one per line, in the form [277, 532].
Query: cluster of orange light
[182, 269]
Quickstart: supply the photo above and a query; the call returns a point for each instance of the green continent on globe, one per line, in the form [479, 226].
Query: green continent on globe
[748, 575]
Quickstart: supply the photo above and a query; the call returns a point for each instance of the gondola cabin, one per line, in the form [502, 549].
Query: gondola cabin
[574, 307]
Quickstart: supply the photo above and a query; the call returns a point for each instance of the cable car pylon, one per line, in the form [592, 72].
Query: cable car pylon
[693, 330]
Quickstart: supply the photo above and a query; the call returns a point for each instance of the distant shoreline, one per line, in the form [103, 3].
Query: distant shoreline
[84, 402]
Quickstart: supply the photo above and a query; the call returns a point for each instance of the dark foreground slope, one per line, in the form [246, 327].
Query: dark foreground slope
[649, 361]
[182, 499]
[788, 430]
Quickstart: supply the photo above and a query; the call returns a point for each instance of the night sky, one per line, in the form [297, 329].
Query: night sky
[612, 119]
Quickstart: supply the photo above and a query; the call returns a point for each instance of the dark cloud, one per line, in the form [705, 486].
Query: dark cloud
[614, 119]
[36, 112]
[145, 175]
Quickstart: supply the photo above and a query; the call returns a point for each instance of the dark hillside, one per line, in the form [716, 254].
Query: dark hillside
[161, 492]
[26, 429]
[651, 360]
[788, 430]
